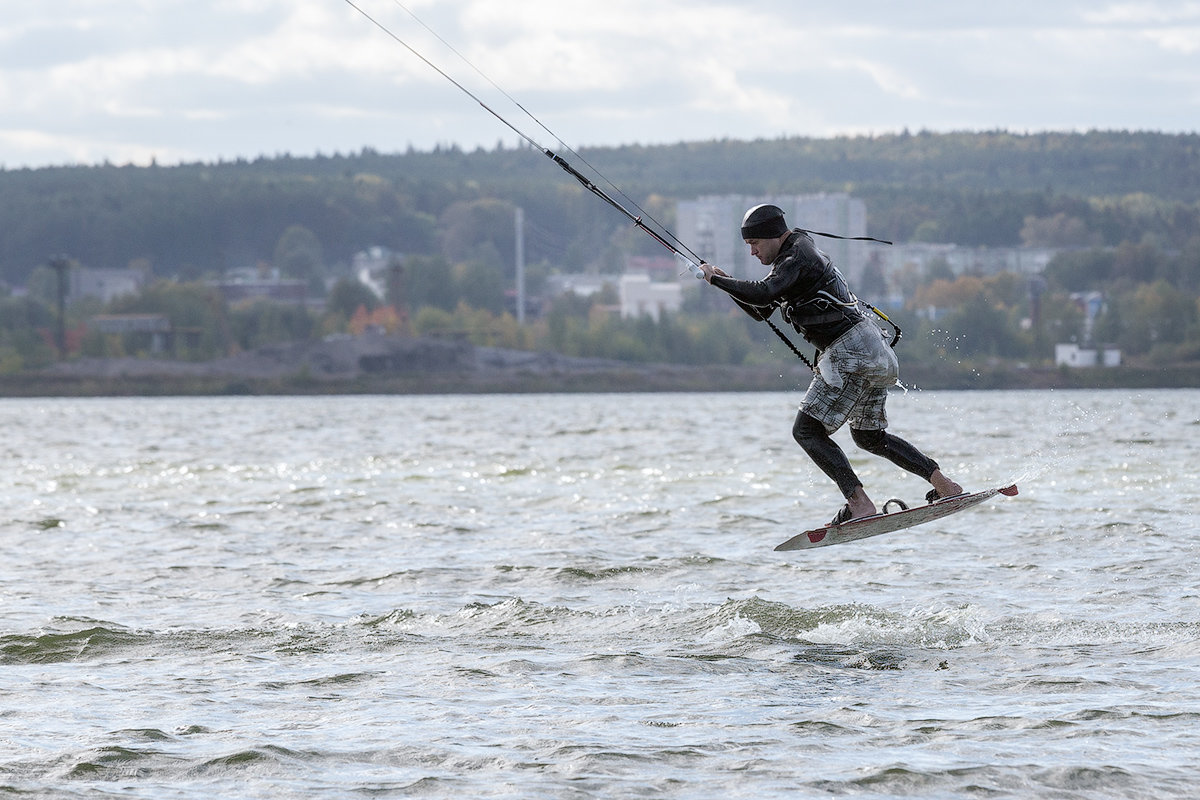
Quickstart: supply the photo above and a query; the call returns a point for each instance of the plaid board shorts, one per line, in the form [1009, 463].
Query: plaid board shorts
[852, 380]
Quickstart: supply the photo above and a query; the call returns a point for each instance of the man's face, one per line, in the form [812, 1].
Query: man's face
[765, 250]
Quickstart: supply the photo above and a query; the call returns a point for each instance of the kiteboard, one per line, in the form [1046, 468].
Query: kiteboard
[874, 525]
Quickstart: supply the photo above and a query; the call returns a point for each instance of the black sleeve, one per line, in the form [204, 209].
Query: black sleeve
[790, 277]
[779, 285]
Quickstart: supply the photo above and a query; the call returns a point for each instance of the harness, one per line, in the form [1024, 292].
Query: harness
[839, 308]
[824, 307]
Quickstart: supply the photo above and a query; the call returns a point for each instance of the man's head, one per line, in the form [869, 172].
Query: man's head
[764, 229]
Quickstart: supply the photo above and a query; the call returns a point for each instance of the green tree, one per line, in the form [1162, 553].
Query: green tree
[433, 321]
[1154, 315]
[1187, 268]
[428, 281]
[347, 295]
[466, 226]
[1062, 321]
[196, 312]
[983, 328]
[1141, 263]
[26, 327]
[1080, 270]
[298, 253]
[479, 280]
[1059, 230]
[267, 322]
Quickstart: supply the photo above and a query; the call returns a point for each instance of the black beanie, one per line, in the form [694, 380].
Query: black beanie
[764, 222]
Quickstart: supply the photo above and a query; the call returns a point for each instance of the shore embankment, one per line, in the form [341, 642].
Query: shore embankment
[408, 365]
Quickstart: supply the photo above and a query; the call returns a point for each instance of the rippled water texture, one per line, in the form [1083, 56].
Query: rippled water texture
[576, 596]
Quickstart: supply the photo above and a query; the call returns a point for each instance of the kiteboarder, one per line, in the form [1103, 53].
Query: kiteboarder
[854, 367]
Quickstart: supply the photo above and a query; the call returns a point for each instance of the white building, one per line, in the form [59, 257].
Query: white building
[105, 284]
[577, 284]
[642, 297]
[966, 260]
[1069, 354]
[372, 267]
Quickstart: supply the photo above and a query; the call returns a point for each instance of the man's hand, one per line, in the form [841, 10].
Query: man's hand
[710, 271]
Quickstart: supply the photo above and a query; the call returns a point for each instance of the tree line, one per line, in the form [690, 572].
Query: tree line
[1123, 206]
[970, 189]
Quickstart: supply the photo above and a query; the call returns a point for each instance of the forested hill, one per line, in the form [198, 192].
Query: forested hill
[1091, 164]
[967, 188]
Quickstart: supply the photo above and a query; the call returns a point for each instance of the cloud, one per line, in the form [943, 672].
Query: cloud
[90, 80]
[1144, 13]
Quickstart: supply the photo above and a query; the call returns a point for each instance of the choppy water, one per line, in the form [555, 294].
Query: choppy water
[576, 596]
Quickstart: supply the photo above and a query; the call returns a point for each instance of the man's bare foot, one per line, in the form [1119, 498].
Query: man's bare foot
[944, 486]
[860, 504]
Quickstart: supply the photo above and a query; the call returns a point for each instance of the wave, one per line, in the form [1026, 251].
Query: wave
[858, 636]
[85, 644]
[854, 635]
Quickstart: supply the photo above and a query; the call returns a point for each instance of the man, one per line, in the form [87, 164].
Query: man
[854, 366]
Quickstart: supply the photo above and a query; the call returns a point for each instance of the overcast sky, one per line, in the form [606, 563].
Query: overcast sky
[128, 81]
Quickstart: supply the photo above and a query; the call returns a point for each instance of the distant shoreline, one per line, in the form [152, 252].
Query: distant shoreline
[605, 378]
[389, 364]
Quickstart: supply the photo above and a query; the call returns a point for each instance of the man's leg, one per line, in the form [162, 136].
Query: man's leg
[811, 435]
[905, 456]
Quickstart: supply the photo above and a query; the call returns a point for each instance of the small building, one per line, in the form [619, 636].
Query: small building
[105, 284]
[580, 285]
[662, 268]
[155, 327]
[1069, 354]
[253, 284]
[375, 267]
[642, 297]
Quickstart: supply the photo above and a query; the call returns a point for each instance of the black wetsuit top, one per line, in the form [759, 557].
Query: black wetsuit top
[804, 282]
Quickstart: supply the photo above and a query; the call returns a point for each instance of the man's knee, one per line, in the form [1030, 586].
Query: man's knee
[808, 429]
[873, 441]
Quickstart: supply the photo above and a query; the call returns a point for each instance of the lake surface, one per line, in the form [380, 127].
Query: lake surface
[575, 596]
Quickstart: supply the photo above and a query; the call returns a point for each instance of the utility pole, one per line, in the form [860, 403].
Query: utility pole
[60, 264]
[520, 224]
